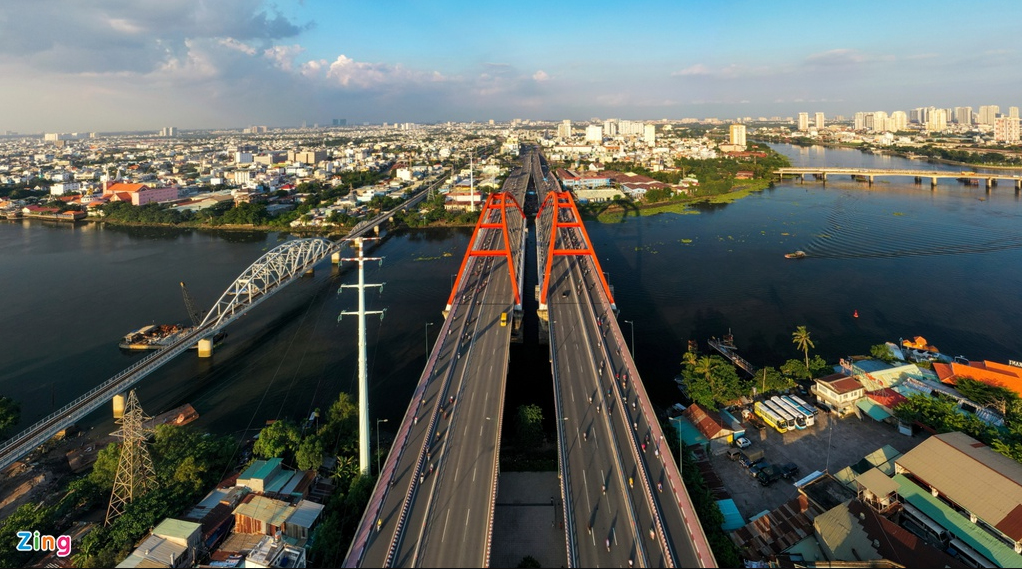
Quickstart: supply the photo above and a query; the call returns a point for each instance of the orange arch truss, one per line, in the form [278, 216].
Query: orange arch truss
[501, 202]
[563, 202]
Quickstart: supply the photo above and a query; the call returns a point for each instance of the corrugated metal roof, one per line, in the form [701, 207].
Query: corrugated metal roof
[877, 482]
[266, 510]
[305, 514]
[976, 538]
[732, 517]
[875, 412]
[176, 528]
[986, 483]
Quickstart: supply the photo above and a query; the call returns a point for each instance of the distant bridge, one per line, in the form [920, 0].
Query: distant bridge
[279, 267]
[868, 174]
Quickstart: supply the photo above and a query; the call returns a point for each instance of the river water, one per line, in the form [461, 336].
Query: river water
[944, 263]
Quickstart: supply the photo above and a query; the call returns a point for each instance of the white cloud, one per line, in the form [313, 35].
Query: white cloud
[697, 69]
[283, 56]
[237, 45]
[540, 76]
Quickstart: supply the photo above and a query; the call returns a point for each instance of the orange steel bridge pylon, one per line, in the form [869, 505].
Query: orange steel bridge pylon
[497, 201]
[563, 202]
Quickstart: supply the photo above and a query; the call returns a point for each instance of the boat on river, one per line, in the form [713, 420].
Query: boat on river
[795, 255]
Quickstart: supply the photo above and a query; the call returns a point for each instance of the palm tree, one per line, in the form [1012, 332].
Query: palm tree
[706, 366]
[689, 359]
[800, 337]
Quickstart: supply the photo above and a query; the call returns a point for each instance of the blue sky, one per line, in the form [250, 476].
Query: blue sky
[110, 65]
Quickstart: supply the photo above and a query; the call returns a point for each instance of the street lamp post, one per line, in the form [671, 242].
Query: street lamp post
[632, 324]
[378, 445]
[428, 324]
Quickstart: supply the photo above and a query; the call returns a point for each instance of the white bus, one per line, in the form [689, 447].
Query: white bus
[805, 405]
[795, 420]
[769, 417]
[810, 418]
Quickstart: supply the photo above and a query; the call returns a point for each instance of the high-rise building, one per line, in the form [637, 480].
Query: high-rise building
[937, 121]
[340, 122]
[880, 122]
[1006, 129]
[803, 122]
[610, 127]
[1013, 112]
[819, 121]
[859, 123]
[963, 115]
[594, 133]
[738, 135]
[168, 131]
[898, 121]
[649, 134]
[987, 114]
[564, 129]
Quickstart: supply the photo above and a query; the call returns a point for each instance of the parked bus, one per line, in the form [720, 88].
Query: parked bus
[810, 417]
[800, 418]
[769, 417]
[805, 405]
[791, 420]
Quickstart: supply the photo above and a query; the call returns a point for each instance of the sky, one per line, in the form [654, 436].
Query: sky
[116, 65]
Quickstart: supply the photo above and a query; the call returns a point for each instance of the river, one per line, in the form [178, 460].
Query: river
[944, 263]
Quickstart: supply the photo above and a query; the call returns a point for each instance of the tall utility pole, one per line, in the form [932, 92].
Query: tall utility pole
[135, 472]
[363, 375]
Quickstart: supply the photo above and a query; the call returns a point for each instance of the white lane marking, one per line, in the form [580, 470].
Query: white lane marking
[474, 470]
[468, 515]
[446, 519]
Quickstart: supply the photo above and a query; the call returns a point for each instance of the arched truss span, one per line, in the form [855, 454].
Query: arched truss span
[563, 220]
[262, 278]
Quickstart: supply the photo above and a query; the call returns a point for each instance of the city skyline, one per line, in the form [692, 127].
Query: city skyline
[193, 64]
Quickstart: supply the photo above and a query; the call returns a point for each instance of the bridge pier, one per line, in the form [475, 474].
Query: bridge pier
[335, 258]
[802, 178]
[1018, 185]
[206, 348]
[871, 179]
[990, 182]
[376, 229]
[824, 176]
[933, 182]
[919, 180]
[118, 402]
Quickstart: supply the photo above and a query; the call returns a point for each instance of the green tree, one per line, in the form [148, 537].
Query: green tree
[529, 426]
[881, 352]
[10, 414]
[711, 381]
[800, 337]
[770, 379]
[278, 439]
[995, 396]
[105, 467]
[310, 453]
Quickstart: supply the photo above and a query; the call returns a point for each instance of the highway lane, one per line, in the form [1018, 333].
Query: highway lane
[446, 467]
[655, 469]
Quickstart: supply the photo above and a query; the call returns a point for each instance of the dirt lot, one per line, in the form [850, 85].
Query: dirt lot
[830, 445]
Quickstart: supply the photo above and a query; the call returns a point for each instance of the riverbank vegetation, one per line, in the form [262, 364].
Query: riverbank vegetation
[720, 180]
[187, 464]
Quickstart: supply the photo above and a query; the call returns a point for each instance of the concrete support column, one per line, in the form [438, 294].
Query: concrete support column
[824, 177]
[376, 229]
[802, 177]
[990, 182]
[118, 402]
[933, 181]
[335, 258]
[206, 348]
[871, 179]
[919, 180]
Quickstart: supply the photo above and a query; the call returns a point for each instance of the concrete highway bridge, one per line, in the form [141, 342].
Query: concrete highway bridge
[622, 495]
[989, 179]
